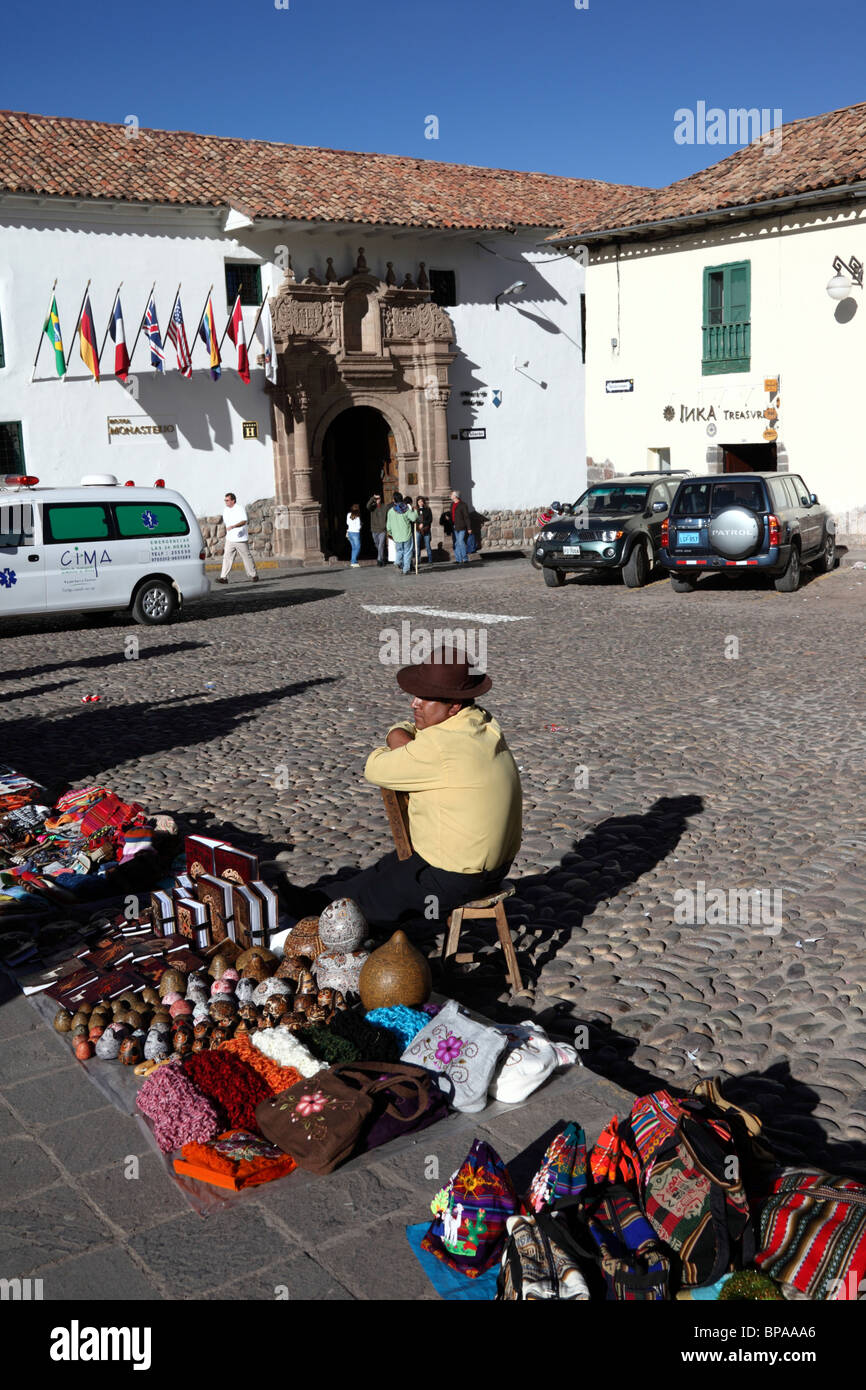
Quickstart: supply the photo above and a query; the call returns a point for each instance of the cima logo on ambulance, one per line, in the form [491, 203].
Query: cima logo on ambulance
[77, 1343]
[84, 559]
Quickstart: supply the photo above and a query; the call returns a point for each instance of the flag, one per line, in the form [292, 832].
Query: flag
[208, 334]
[118, 337]
[151, 328]
[51, 329]
[87, 340]
[237, 333]
[177, 333]
[265, 335]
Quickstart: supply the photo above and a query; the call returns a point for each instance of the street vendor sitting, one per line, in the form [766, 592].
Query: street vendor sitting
[465, 803]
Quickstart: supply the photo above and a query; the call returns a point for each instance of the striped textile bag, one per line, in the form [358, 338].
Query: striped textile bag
[635, 1265]
[813, 1234]
[562, 1172]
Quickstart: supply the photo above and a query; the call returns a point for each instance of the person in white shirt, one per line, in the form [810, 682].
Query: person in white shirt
[237, 542]
[353, 531]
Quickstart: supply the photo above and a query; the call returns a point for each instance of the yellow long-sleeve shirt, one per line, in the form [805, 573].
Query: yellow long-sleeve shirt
[465, 802]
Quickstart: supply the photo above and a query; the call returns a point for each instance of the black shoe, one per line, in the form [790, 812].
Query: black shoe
[222, 581]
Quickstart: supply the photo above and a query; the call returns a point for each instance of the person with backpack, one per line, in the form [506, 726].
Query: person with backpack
[399, 523]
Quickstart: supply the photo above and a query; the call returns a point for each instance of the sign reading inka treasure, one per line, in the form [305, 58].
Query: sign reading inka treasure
[702, 414]
[126, 428]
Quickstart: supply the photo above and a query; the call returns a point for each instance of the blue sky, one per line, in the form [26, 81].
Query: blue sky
[537, 85]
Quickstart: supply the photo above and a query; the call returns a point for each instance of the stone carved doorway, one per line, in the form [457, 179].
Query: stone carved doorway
[355, 459]
[343, 344]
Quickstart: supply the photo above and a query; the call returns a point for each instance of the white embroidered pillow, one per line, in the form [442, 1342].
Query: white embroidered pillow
[461, 1049]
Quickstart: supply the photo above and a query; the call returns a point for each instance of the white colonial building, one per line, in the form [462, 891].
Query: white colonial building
[400, 362]
[712, 343]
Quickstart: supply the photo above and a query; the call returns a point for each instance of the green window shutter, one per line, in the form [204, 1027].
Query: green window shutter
[737, 294]
[727, 314]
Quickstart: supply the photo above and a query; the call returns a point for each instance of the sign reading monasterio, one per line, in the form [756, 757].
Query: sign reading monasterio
[133, 425]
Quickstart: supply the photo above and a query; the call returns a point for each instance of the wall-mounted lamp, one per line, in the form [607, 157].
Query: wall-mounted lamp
[517, 288]
[840, 286]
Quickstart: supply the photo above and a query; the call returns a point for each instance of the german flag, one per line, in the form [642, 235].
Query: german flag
[87, 340]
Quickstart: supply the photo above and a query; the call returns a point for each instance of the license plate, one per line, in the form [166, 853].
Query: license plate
[571, 550]
[688, 537]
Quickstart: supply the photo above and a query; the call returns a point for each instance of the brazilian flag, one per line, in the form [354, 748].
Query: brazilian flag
[51, 328]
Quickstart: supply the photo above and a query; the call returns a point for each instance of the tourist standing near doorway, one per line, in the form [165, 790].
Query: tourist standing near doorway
[353, 531]
[425, 524]
[460, 523]
[399, 526]
[237, 540]
[378, 517]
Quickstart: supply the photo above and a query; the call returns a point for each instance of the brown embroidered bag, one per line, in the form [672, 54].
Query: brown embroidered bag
[320, 1121]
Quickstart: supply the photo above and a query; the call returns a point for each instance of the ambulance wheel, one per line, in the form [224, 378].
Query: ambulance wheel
[155, 602]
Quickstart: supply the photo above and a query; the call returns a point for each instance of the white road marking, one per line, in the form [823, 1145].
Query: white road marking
[486, 618]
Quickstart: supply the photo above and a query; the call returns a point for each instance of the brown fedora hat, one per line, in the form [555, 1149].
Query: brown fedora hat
[442, 677]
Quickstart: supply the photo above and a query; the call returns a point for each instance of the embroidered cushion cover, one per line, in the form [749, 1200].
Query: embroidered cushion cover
[471, 1213]
[464, 1050]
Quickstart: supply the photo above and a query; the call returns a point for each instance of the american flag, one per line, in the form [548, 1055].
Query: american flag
[151, 328]
[177, 334]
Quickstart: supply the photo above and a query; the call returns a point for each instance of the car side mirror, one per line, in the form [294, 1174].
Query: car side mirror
[813, 501]
[660, 506]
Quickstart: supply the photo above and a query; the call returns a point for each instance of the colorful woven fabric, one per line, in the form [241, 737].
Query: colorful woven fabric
[613, 1159]
[813, 1234]
[235, 1160]
[563, 1169]
[235, 1088]
[405, 1023]
[469, 1231]
[176, 1108]
[634, 1264]
[275, 1077]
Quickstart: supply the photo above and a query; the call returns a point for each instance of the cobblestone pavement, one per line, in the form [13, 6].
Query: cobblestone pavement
[665, 742]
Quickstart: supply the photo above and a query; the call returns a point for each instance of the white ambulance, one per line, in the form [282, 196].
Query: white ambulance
[100, 545]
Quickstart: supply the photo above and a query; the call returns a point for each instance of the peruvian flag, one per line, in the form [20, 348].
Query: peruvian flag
[237, 333]
[118, 337]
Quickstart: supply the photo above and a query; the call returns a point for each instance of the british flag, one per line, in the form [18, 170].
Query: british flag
[177, 334]
[151, 328]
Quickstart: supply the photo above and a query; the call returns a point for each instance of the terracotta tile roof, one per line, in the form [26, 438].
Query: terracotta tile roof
[820, 152]
[90, 159]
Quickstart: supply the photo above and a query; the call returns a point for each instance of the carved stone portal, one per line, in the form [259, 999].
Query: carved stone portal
[344, 343]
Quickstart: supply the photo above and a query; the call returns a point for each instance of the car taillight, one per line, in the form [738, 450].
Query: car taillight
[665, 533]
[775, 529]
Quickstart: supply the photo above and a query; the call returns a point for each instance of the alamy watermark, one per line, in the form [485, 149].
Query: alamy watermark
[741, 907]
[410, 646]
[737, 126]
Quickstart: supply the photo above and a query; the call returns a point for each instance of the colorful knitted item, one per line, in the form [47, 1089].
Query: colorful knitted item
[404, 1023]
[231, 1085]
[374, 1044]
[328, 1046]
[275, 1077]
[176, 1108]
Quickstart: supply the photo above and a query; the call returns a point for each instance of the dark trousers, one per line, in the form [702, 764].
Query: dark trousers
[394, 891]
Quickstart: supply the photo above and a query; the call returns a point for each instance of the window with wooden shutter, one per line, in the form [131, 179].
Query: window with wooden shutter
[727, 328]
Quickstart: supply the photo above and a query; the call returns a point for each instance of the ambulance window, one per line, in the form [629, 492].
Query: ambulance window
[16, 524]
[76, 522]
[150, 519]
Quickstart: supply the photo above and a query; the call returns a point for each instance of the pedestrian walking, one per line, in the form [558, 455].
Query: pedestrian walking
[398, 524]
[460, 523]
[378, 516]
[424, 526]
[237, 540]
[353, 531]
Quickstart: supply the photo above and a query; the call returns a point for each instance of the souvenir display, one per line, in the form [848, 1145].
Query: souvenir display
[178, 1111]
[469, 1229]
[234, 1160]
[404, 1023]
[397, 973]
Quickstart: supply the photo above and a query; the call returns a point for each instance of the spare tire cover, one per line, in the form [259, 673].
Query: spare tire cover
[735, 533]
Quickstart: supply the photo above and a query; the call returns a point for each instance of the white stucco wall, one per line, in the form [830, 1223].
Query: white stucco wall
[535, 445]
[650, 299]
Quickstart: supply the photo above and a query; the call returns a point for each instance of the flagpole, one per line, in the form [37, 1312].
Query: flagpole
[77, 326]
[141, 324]
[42, 334]
[108, 325]
[199, 324]
[258, 316]
[228, 321]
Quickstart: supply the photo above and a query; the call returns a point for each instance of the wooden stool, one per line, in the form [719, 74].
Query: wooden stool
[494, 907]
[396, 806]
